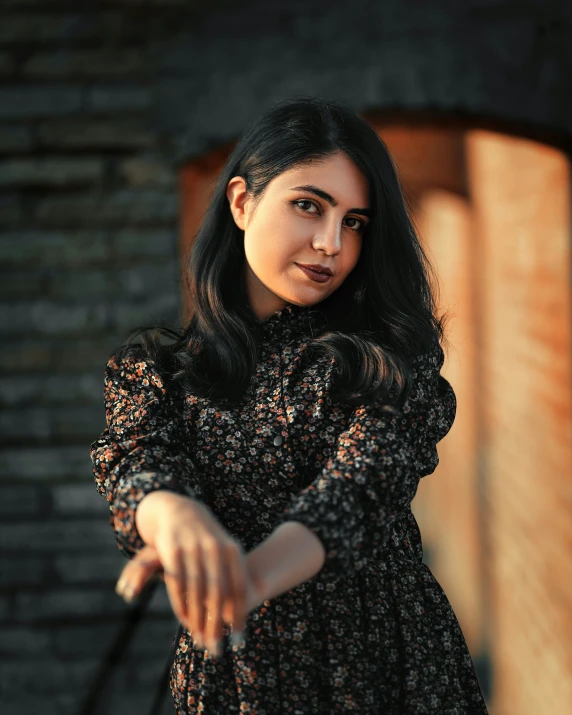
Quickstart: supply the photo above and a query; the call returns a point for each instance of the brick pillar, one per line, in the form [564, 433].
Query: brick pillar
[448, 499]
[521, 199]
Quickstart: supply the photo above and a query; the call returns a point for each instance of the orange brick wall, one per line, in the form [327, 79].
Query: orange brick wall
[448, 500]
[521, 202]
[196, 183]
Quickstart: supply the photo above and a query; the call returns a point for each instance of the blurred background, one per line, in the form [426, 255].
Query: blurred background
[115, 119]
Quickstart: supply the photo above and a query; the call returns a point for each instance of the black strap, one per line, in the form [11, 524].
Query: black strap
[166, 675]
[116, 652]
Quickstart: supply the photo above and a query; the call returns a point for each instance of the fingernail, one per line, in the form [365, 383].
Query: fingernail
[237, 639]
[128, 593]
[119, 586]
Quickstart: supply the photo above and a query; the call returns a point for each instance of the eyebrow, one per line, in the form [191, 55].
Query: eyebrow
[330, 199]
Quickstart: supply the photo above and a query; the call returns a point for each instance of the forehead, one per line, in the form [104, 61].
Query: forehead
[337, 175]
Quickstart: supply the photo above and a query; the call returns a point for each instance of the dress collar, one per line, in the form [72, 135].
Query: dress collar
[291, 321]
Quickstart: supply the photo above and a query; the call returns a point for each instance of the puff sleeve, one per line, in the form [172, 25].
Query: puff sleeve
[373, 472]
[143, 447]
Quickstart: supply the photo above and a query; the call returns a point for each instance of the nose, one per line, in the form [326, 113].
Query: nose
[329, 239]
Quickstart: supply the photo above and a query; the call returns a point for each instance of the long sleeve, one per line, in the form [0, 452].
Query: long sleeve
[374, 470]
[143, 447]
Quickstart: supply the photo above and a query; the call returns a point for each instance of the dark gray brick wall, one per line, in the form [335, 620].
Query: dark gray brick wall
[88, 250]
[97, 105]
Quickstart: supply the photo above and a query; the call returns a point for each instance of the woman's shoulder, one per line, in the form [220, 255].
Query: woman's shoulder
[429, 359]
[131, 368]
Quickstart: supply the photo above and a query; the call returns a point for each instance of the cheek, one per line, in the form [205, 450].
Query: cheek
[266, 254]
[273, 244]
[352, 257]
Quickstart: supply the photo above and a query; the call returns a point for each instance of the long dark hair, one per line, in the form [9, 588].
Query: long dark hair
[382, 315]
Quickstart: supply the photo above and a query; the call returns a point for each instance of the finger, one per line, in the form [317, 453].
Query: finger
[237, 589]
[194, 593]
[213, 564]
[174, 582]
[137, 573]
[260, 585]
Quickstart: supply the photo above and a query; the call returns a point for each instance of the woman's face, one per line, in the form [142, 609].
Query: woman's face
[293, 226]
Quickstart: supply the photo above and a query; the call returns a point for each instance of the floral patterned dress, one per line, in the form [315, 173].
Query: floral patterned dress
[373, 632]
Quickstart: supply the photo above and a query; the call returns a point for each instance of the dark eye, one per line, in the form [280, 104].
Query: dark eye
[304, 201]
[361, 224]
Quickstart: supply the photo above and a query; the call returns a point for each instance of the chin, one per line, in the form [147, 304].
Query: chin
[308, 303]
[305, 297]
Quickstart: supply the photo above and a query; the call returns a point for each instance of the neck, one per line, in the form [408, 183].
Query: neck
[263, 301]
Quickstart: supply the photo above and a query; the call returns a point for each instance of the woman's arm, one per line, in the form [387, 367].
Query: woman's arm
[143, 447]
[373, 472]
[291, 555]
[148, 510]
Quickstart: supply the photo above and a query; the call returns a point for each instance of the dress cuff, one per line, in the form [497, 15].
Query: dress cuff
[323, 519]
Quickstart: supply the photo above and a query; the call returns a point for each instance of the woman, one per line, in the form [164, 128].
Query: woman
[265, 457]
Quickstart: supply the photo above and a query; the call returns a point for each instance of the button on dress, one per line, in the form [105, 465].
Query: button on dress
[373, 632]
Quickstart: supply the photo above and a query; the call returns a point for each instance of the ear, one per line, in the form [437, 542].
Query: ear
[238, 200]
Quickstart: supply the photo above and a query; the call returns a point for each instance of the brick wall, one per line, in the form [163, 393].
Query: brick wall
[89, 249]
[449, 500]
[521, 198]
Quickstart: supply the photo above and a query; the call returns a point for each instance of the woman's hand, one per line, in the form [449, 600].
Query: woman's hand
[204, 568]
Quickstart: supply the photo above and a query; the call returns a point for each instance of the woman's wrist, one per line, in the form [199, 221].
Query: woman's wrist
[149, 509]
[291, 555]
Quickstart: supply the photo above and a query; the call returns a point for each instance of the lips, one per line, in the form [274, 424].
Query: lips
[318, 268]
[315, 276]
